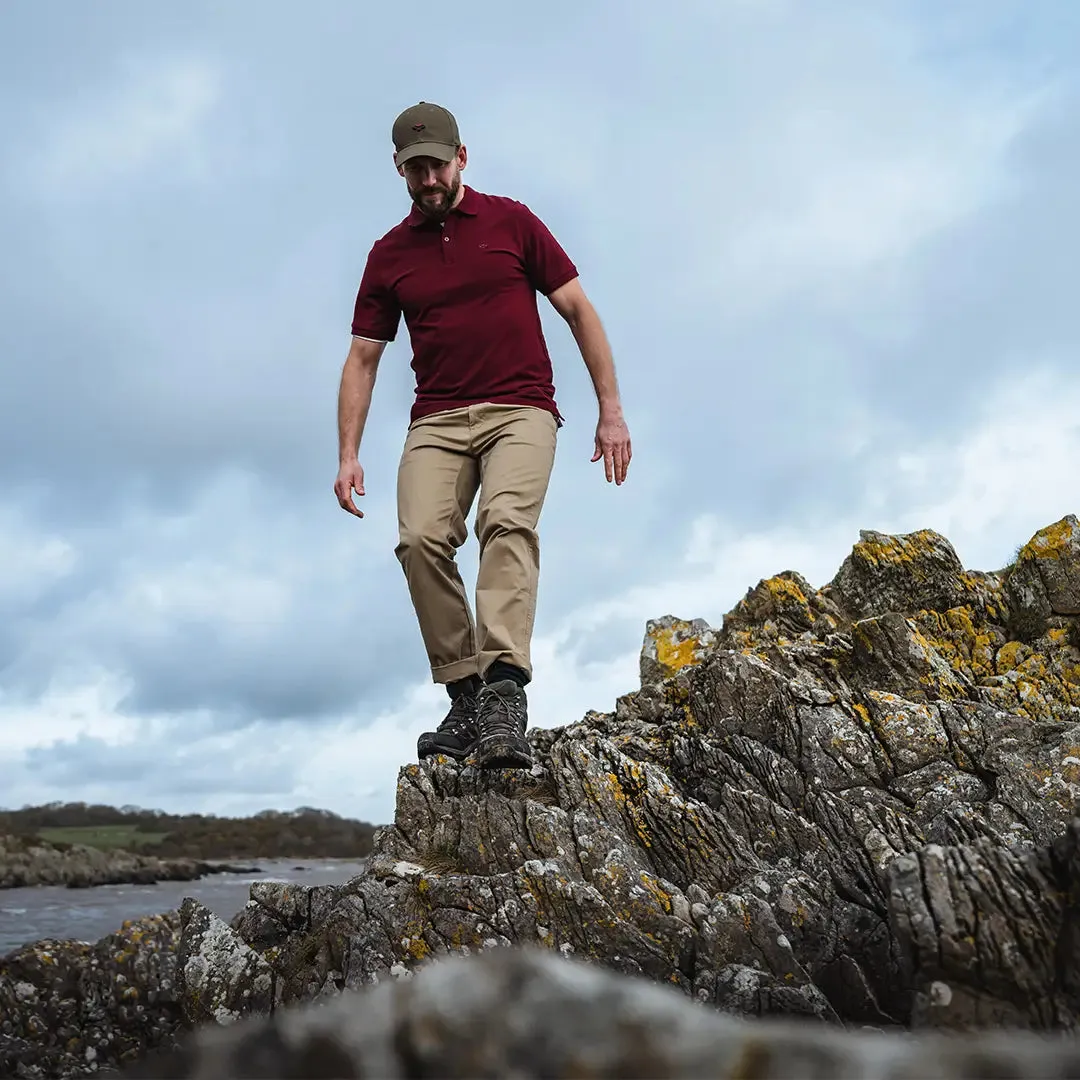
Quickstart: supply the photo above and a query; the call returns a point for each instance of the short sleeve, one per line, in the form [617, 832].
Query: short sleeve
[547, 264]
[376, 313]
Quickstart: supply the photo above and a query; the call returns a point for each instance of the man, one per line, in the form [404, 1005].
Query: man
[464, 268]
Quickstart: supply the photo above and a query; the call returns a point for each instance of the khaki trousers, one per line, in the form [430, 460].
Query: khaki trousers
[506, 453]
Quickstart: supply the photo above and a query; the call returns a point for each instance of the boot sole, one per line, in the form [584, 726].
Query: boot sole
[504, 754]
[433, 751]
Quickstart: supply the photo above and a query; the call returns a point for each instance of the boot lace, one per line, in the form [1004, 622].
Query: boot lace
[500, 715]
[460, 721]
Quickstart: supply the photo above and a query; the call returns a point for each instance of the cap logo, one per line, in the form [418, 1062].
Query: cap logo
[419, 127]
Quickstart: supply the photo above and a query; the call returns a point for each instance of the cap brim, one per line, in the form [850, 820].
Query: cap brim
[439, 151]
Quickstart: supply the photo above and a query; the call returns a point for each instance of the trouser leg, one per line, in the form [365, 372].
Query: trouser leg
[516, 447]
[438, 477]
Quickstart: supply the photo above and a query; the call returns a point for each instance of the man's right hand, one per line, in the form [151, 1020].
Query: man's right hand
[350, 478]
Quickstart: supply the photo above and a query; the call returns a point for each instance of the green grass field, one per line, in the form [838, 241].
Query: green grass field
[105, 837]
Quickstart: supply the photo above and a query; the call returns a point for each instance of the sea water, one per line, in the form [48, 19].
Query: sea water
[54, 911]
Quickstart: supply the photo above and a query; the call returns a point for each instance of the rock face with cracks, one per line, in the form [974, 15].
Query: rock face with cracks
[852, 805]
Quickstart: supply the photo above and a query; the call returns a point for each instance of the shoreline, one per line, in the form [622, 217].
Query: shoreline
[86, 998]
[168, 870]
[29, 862]
[34, 914]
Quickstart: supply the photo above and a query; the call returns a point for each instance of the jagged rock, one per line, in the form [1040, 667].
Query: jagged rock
[69, 1008]
[784, 605]
[886, 574]
[672, 644]
[991, 933]
[218, 976]
[1045, 580]
[525, 1013]
[752, 825]
[277, 909]
[1056, 553]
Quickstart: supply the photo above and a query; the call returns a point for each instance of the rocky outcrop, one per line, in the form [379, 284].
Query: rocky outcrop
[69, 1008]
[533, 1014]
[29, 861]
[1045, 579]
[851, 805]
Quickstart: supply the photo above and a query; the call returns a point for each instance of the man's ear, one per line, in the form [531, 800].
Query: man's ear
[462, 156]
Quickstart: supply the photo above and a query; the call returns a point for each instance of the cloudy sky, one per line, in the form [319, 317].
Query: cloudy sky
[833, 244]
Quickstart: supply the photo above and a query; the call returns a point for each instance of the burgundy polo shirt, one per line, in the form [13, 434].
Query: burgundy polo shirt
[467, 290]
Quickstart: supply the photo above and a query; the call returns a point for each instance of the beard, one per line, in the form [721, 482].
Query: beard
[434, 202]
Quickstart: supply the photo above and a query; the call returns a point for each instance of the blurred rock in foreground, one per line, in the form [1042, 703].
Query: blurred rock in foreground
[529, 1013]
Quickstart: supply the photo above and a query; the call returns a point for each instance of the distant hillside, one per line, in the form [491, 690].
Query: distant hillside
[305, 832]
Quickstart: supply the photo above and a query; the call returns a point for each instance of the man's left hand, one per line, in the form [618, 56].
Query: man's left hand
[613, 445]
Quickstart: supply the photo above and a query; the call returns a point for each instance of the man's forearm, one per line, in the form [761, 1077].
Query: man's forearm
[589, 334]
[354, 401]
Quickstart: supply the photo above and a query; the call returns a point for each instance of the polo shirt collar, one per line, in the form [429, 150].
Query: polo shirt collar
[469, 205]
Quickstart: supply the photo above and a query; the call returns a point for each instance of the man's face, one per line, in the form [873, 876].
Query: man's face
[433, 185]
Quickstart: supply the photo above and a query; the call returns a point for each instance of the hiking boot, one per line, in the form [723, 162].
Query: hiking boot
[456, 736]
[502, 719]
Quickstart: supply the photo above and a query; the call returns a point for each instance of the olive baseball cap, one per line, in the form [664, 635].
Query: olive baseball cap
[425, 130]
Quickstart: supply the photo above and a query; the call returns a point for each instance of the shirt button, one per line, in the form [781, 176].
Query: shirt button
[447, 239]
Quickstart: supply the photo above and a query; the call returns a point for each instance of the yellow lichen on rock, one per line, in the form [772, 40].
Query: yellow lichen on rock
[966, 647]
[671, 645]
[897, 549]
[1049, 543]
[674, 653]
[1011, 655]
[784, 589]
[785, 603]
[653, 886]
[418, 948]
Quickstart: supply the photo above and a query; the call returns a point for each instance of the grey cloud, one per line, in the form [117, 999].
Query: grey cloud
[604, 643]
[250, 771]
[345, 641]
[160, 335]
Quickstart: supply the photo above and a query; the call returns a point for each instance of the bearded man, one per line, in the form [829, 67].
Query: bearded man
[464, 269]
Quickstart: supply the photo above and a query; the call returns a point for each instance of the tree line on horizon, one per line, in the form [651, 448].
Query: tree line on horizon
[304, 832]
